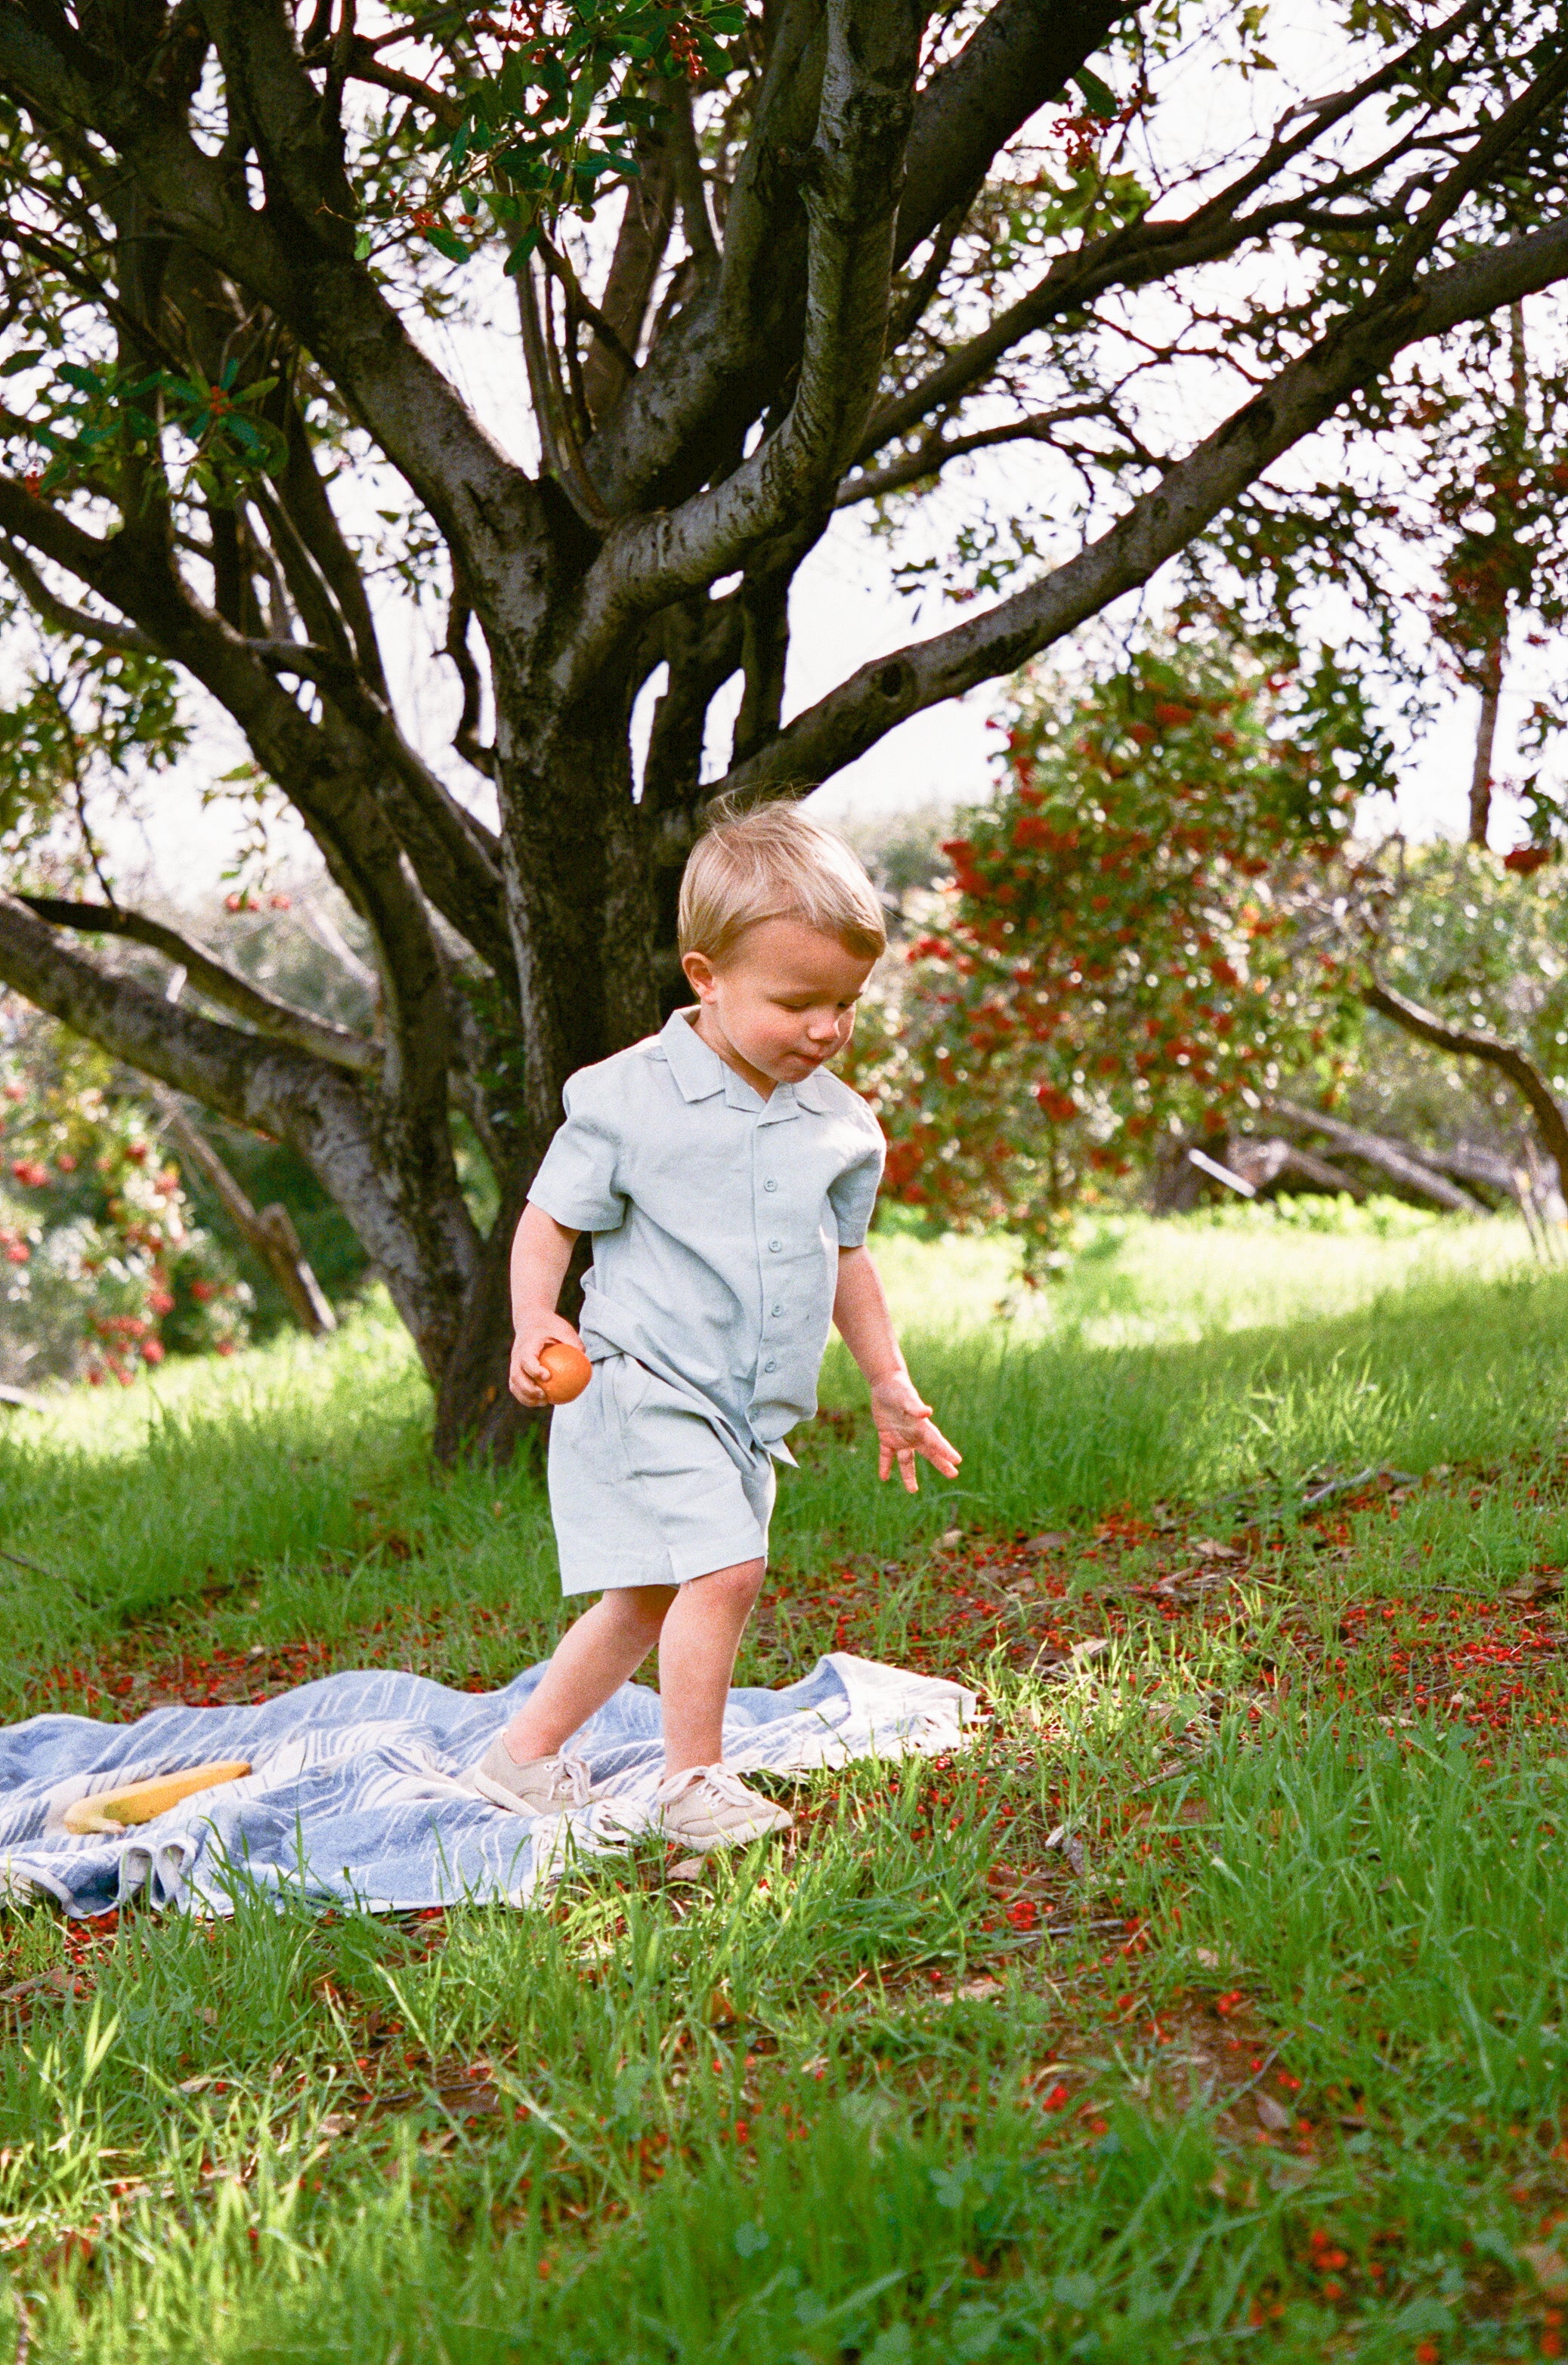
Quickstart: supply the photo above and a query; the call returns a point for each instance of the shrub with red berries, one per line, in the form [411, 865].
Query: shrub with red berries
[103, 1272]
[1133, 946]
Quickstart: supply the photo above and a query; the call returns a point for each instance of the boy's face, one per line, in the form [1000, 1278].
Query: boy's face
[782, 1003]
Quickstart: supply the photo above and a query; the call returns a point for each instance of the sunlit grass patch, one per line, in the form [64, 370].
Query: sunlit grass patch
[1209, 2004]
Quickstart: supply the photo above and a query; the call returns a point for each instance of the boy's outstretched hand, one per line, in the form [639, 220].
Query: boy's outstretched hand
[904, 1428]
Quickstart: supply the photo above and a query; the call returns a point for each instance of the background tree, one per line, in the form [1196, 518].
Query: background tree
[1472, 963]
[105, 1268]
[1135, 949]
[766, 266]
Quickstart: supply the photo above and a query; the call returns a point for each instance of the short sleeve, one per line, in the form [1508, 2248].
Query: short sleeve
[853, 1192]
[576, 1182]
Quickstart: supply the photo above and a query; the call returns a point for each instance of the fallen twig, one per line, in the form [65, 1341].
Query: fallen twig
[1373, 1470]
[36, 1568]
[1059, 1930]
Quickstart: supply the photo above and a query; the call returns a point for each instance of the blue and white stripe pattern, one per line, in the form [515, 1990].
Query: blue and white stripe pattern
[358, 1794]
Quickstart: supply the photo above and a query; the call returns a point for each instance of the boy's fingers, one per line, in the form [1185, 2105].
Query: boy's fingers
[941, 1455]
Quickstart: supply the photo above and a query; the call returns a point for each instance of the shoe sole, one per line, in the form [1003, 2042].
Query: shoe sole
[740, 1838]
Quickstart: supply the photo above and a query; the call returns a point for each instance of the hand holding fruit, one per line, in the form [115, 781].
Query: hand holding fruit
[548, 1365]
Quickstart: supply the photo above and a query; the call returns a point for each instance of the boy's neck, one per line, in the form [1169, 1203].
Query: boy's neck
[707, 1026]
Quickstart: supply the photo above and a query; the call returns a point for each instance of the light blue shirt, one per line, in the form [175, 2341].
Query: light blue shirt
[717, 1219]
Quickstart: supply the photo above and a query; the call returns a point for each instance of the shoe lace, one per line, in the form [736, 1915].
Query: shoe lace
[722, 1781]
[571, 1781]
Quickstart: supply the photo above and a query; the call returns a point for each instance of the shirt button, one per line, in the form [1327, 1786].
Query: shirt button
[770, 1184]
[777, 1310]
[775, 1246]
[770, 1365]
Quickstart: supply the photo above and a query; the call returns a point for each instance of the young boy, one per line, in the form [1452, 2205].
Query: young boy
[728, 1180]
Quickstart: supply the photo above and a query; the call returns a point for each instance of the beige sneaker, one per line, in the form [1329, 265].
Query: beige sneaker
[710, 1807]
[541, 1786]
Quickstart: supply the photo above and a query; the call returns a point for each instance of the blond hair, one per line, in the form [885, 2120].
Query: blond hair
[775, 862]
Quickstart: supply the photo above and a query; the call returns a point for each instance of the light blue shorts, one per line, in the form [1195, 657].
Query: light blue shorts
[643, 1490]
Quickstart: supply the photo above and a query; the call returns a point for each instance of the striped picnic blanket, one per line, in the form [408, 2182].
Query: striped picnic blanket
[358, 1797]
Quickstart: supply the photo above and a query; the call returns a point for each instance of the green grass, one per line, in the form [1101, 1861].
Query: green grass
[843, 2102]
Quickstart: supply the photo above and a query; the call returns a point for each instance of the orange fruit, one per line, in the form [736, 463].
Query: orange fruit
[568, 1368]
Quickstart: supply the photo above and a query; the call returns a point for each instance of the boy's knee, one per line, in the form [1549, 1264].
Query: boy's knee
[640, 1607]
[740, 1585]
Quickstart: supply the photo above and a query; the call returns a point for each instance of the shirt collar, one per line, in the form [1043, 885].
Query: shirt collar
[699, 1073]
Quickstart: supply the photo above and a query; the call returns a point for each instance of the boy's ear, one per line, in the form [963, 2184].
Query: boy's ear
[698, 972]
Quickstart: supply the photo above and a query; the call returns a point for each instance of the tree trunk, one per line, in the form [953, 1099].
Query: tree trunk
[1485, 739]
[580, 904]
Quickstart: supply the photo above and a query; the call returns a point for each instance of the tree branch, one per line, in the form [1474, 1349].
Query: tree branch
[932, 455]
[426, 1252]
[552, 408]
[850, 191]
[1019, 56]
[881, 695]
[734, 343]
[327, 764]
[296, 257]
[466, 738]
[721, 353]
[701, 643]
[640, 247]
[1136, 253]
[242, 1077]
[1516, 1065]
[1386, 1156]
[268, 1232]
[364, 66]
[320, 1036]
[59, 613]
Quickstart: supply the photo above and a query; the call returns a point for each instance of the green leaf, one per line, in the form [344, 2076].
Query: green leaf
[1098, 96]
[362, 247]
[1075, 2290]
[447, 243]
[20, 361]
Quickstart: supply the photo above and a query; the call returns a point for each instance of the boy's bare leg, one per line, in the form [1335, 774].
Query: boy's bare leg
[698, 1643]
[593, 1659]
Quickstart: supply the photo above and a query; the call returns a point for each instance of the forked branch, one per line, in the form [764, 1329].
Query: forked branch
[1468, 1043]
[1161, 523]
[212, 978]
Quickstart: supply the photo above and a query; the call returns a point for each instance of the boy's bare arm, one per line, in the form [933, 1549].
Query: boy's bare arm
[905, 1426]
[541, 1252]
